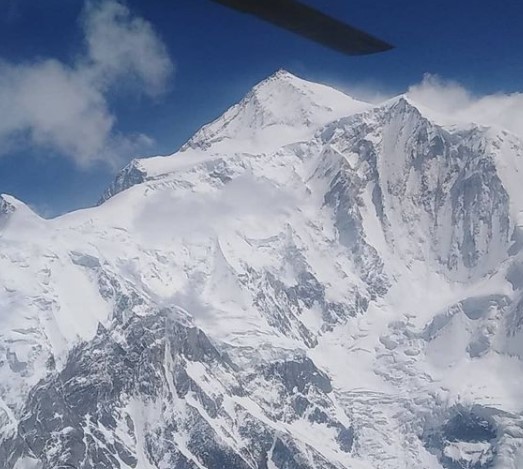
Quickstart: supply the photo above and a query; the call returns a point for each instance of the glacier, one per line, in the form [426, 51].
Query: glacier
[310, 282]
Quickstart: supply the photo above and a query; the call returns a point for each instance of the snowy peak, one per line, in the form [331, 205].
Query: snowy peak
[6, 209]
[405, 103]
[132, 174]
[16, 216]
[290, 100]
[5, 206]
[282, 109]
[279, 110]
[8, 203]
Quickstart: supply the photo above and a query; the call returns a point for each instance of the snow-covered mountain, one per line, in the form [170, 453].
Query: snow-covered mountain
[310, 282]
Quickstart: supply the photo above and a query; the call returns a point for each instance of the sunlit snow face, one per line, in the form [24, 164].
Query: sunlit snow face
[167, 216]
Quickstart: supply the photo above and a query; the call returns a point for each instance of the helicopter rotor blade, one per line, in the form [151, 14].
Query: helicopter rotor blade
[312, 24]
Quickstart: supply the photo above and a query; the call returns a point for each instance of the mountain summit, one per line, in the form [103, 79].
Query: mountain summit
[279, 110]
[311, 282]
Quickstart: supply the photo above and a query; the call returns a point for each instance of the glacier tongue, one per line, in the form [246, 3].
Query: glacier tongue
[310, 282]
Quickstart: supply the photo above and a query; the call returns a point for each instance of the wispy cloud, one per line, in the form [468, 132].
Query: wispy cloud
[451, 98]
[166, 216]
[64, 107]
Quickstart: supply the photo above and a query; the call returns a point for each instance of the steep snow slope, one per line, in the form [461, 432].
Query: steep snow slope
[311, 282]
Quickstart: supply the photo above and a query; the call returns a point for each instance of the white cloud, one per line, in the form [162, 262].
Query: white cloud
[64, 106]
[451, 98]
[166, 215]
[119, 45]
[367, 92]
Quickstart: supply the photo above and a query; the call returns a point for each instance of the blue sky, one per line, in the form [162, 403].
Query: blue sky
[217, 56]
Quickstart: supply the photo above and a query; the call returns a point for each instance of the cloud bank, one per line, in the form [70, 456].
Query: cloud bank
[64, 107]
[451, 98]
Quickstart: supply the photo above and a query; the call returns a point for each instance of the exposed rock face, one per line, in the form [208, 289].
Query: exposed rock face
[312, 282]
[466, 439]
[5, 210]
[131, 175]
[134, 393]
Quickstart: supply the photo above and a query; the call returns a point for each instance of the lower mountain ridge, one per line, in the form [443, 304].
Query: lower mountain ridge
[311, 282]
